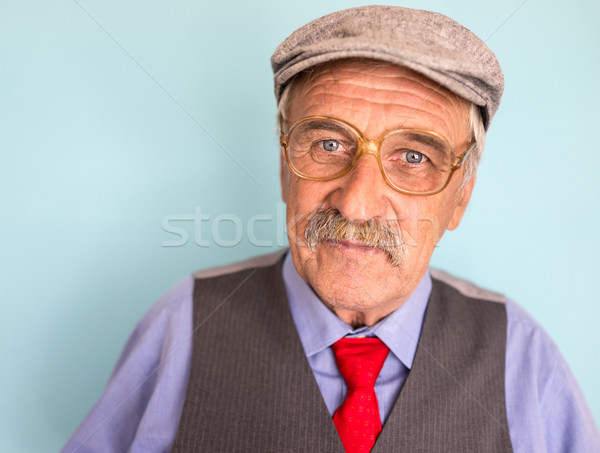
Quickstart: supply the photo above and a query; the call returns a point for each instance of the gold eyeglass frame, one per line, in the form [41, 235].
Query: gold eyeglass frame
[373, 147]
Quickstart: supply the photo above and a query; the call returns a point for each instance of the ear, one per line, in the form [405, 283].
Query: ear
[284, 176]
[463, 200]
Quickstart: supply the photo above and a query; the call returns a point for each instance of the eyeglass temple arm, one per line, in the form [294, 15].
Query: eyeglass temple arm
[460, 160]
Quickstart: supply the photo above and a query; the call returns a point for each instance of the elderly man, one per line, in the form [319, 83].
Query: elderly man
[349, 342]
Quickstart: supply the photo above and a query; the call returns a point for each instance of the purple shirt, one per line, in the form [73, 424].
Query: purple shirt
[141, 406]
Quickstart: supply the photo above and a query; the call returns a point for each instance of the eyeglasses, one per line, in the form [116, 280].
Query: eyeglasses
[412, 161]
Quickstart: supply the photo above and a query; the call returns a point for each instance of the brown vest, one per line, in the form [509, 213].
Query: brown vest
[251, 388]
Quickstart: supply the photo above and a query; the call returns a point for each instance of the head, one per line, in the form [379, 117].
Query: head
[362, 245]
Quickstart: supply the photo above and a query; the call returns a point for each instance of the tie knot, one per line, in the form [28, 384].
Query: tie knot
[360, 360]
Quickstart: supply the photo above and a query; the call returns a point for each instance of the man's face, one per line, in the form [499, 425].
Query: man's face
[360, 284]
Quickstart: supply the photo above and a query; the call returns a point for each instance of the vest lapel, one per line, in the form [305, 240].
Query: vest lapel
[251, 387]
[453, 398]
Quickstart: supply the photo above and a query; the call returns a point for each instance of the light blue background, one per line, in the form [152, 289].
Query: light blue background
[105, 119]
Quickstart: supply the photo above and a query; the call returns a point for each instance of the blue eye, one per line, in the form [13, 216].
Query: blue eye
[330, 145]
[415, 157]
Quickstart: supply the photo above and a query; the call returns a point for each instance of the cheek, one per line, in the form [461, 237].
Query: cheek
[303, 198]
[423, 221]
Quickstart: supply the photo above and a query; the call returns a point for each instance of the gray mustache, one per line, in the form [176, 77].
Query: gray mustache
[330, 224]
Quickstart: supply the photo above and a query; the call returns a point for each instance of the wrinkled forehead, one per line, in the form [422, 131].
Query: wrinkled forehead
[355, 67]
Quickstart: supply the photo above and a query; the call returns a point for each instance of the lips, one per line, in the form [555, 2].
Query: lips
[345, 246]
[351, 244]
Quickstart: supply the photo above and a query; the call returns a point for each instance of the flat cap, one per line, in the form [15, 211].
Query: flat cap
[429, 43]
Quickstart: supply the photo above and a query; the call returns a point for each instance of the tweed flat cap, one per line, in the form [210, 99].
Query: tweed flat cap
[426, 42]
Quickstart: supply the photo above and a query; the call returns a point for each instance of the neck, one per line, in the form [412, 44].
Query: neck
[360, 318]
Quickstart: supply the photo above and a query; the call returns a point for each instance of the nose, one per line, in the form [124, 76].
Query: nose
[362, 192]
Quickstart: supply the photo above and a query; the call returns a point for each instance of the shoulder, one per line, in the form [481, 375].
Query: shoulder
[465, 287]
[147, 385]
[524, 335]
[171, 301]
[531, 352]
[544, 402]
[251, 263]
[174, 308]
[167, 315]
[546, 410]
[478, 311]
[534, 360]
[238, 284]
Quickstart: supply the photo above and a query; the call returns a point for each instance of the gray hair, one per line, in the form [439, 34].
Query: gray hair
[478, 135]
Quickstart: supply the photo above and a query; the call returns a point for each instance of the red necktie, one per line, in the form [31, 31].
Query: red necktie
[357, 419]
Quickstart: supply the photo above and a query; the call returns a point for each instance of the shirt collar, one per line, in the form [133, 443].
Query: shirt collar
[318, 327]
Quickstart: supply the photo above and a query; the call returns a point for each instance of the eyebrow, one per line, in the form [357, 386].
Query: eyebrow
[328, 125]
[428, 140]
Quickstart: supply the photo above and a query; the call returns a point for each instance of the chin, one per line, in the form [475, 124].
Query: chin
[350, 279]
